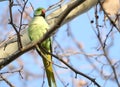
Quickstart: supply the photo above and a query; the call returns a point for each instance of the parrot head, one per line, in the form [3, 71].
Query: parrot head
[39, 12]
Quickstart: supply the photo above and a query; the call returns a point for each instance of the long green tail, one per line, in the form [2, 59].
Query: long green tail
[47, 61]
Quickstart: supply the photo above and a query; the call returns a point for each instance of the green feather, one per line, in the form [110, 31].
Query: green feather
[37, 28]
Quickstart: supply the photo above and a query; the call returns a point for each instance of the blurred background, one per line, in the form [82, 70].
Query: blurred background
[89, 43]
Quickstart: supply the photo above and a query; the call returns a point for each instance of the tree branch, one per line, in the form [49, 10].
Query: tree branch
[9, 48]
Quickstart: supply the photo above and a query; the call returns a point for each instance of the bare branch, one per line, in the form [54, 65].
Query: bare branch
[9, 83]
[7, 53]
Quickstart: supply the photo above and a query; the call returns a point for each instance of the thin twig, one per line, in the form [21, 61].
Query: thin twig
[21, 17]
[13, 25]
[9, 83]
[55, 5]
[75, 70]
[104, 50]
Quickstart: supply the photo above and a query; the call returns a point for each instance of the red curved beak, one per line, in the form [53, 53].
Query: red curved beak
[43, 11]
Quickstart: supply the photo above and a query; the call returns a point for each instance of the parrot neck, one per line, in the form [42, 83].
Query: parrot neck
[38, 20]
[43, 15]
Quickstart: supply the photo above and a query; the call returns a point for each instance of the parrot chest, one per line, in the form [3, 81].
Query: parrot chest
[37, 28]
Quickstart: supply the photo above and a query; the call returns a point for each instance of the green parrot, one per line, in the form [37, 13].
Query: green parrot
[36, 29]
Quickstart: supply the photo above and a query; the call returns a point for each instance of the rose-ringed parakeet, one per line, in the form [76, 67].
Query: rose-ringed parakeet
[37, 28]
